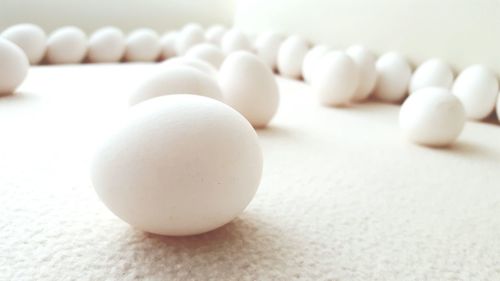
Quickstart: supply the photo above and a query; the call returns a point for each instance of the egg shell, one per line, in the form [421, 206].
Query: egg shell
[393, 77]
[267, 46]
[167, 44]
[198, 64]
[14, 67]
[207, 52]
[142, 45]
[249, 86]
[365, 60]
[178, 165]
[336, 79]
[235, 40]
[432, 116]
[214, 34]
[311, 60]
[176, 80]
[66, 45]
[30, 38]
[432, 73]
[291, 56]
[190, 35]
[477, 88]
[106, 45]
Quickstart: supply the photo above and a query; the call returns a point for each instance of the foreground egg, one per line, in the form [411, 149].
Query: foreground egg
[235, 40]
[179, 165]
[432, 116]
[14, 66]
[142, 45]
[291, 56]
[267, 46]
[249, 86]
[432, 73]
[177, 80]
[30, 38]
[477, 89]
[311, 60]
[106, 45]
[66, 45]
[365, 60]
[207, 52]
[393, 77]
[192, 34]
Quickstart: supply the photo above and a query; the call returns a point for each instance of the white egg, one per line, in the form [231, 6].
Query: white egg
[215, 33]
[142, 45]
[106, 45]
[291, 56]
[14, 67]
[267, 46]
[235, 40]
[66, 45]
[432, 116]
[311, 60]
[250, 87]
[336, 79]
[365, 60]
[477, 89]
[190, 35]
[176, 80]
[432, 73]
[30, 38]
[167, 43]
[178, 165]
[393, 77]
[207, 52]
[200, 65]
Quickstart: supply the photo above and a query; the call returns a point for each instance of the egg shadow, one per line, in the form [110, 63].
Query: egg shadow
[467, 150]
[274, 132]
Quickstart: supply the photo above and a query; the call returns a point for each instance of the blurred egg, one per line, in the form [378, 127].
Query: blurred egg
[311, 59]
[198, 64]
[176, 80]
[106, 45]
[432, 116]
[167, 44]
[178, 165]
[190, 35]
[336, 79]
[432, 73]
[267, 46]
[477, 88]
[235, 40]
[215, 33]
[30, 38]
[142, 45]
[498, 107]
[393, 77]
[66, 45]
[249, 86]
[14, 67]
[291, 56]
[207, 52]
[365, 60]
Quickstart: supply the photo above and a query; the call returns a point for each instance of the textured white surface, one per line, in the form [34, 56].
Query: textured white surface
[343, 196]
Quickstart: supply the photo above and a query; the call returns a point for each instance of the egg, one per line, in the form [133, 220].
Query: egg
[249, 86]
[365, 60]
[200, 65]
[142, 45]
[167, 45]
[215, 33]
[291, 55]
[336, 79]
[14, 67]
[432, 73]
[190, 35]
[477, 88]
[66, 45]
[432, 116]
[106, 45]
[178, 165]
[498, 107]
[311, 60]
[176, 80]
[207, 52]
[235, 40]
[267, 46]
[393, 77]
[30, 38]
